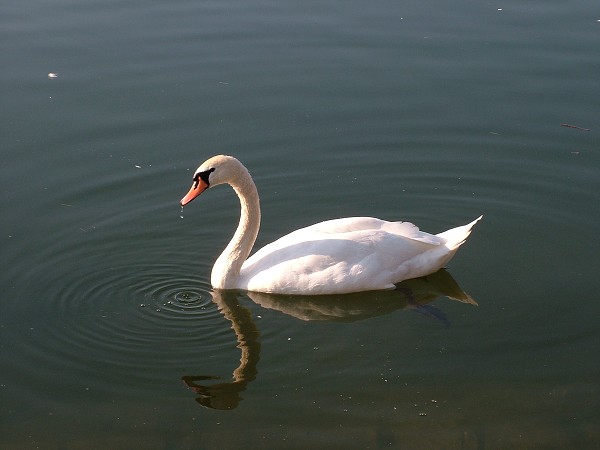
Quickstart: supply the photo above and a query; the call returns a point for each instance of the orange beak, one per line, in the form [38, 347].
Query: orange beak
[196, 189]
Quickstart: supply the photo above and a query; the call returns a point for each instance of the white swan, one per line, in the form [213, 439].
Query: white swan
[333, 257]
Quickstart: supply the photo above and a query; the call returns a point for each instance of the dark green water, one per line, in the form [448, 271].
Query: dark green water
[431, 112]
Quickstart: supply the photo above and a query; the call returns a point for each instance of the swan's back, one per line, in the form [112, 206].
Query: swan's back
[363, 224]
[345, 255]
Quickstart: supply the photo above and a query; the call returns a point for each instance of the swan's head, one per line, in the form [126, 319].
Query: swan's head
[216, 170]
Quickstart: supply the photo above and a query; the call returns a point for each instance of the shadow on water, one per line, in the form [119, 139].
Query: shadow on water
[415, 295]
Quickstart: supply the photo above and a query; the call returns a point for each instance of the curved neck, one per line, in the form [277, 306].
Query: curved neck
[227, 268]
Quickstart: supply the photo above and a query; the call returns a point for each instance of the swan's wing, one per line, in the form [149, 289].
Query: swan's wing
[343, 255]
[354, 224]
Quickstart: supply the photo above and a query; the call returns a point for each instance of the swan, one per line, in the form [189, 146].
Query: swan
[336, 256]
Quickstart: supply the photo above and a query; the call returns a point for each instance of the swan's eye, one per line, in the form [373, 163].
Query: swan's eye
[202, 176]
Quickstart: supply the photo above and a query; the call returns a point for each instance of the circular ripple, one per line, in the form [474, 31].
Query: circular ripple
[138, 301]
[117, 322]
[181, 298]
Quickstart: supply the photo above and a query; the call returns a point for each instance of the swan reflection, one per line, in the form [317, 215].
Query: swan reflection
[410, 294]
[227, 395]
[415, 294]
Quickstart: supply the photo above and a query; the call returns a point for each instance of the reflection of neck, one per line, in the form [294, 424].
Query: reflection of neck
[246, 333]
[225, 396]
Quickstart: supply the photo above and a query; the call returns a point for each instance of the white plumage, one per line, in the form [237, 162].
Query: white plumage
[333, 257]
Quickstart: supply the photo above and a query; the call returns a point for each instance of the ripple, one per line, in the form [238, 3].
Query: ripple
[180, 298]
[104, 325]
[137, 298]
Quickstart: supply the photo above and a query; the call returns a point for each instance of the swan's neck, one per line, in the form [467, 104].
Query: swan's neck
[227, 268]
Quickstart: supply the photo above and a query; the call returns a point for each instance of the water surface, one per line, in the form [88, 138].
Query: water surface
[421, 111]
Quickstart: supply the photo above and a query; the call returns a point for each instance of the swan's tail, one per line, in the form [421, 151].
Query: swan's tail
[456, 236]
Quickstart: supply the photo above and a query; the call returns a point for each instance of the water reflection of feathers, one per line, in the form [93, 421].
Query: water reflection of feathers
[415, 294]
[411, 294]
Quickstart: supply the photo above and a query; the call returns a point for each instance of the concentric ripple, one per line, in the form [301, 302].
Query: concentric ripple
[181, 298]
[108, 323]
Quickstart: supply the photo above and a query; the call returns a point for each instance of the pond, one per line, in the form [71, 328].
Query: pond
[432, 113]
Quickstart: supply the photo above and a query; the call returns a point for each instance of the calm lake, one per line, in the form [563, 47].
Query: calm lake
[421, 111]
